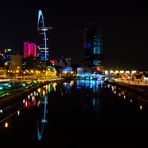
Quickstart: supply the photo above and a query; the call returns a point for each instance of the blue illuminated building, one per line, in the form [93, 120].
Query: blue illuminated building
[93, 45]
[42, 48]
[7, 58]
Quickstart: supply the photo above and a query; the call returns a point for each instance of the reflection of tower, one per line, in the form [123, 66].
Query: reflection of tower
[93, 45]
[43, 50]
[41, 124]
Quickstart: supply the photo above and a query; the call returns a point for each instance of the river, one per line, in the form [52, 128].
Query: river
[80, 112]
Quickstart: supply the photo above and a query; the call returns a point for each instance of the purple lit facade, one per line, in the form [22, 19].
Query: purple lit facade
[29, 49]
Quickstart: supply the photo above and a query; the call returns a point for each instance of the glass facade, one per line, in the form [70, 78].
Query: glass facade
[93, 44]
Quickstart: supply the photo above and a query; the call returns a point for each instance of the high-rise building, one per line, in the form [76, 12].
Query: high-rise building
[16, 62]
[42, 47]
[29, 49]
[93, 45]
[7, 55]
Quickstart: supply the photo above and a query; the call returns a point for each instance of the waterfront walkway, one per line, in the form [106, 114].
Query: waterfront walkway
[138, 88]
[138, 83]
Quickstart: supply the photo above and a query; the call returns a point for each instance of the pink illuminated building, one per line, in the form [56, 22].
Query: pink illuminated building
[29, 49]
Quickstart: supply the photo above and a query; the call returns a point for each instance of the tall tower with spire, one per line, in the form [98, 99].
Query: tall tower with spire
[43, 49]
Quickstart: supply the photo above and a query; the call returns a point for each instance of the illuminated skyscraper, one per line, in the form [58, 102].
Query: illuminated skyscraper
[8, 54]
[16, 62]
[7, 57]
[29, 49]
[93, 45]
[43, 49]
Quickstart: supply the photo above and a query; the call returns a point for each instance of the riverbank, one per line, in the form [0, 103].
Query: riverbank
[5, 100]
[140, 90]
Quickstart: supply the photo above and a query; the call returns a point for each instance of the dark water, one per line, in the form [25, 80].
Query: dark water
[75, 113]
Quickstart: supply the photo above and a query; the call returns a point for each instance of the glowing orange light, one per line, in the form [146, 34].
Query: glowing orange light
[141, 107]
[18, 112]
[26, 104]
[6, 124]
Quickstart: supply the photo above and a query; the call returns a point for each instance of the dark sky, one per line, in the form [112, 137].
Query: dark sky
[124, 25]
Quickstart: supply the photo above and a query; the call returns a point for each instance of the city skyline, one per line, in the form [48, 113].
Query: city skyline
[124, 27]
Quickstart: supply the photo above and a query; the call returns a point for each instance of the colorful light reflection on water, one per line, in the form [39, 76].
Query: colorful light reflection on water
[76, 104]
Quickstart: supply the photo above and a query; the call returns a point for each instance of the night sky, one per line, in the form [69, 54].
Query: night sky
[124, 25]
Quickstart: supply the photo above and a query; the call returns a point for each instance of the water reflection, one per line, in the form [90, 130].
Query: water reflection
[141, 107]
[41, 102]
[41, 123]
[36, 102]
[74, 104]
[8, 112]
[129, 97]
[90, 84]
[92, 98]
